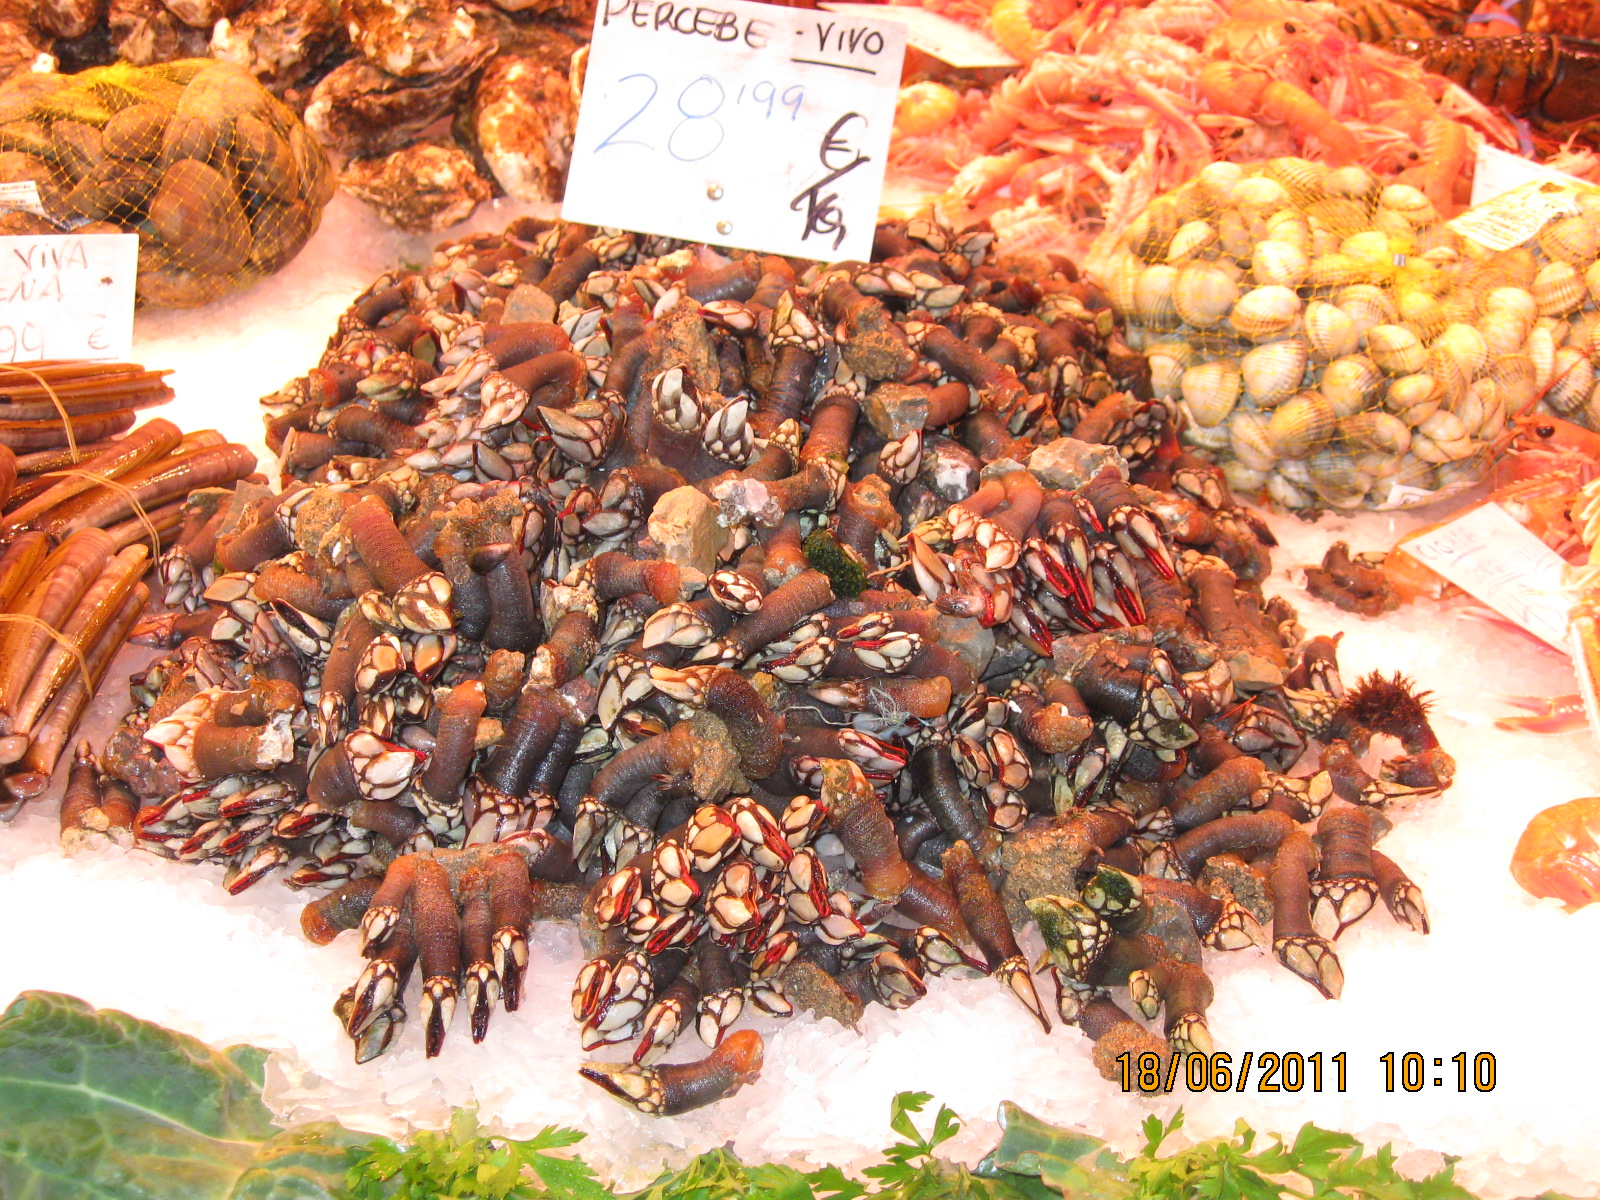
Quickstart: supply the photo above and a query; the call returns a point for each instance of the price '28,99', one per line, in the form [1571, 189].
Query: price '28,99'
[698, 134]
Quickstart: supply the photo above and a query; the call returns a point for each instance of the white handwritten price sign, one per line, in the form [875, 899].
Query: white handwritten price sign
[737, 124]
[1488, 553]
[67, 296]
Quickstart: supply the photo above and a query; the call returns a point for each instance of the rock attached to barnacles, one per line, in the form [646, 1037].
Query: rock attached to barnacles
[1040, 861]
[280, 42]
[896, 409]
[413, 37]
[574, 12]
[683, 525]
[1069, 463]
[422, 188]
[528, 302]
[358, 110]
[715, 774]
[811, 989]
[522, 123]
[967, 637]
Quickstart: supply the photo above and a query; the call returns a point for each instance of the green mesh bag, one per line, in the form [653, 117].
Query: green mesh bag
[1332, 341]
[218, 178]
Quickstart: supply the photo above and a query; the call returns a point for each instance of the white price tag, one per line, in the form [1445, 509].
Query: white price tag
[1488, 553]
[737, 124]
[1514, 216]
[1498, 171]
[21, 195]
[67, 296]
[934, 33]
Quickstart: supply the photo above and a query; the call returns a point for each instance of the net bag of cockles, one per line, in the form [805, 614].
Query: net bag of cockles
[219, 179]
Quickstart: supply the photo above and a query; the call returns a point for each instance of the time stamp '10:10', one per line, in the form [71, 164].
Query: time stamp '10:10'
[1292, 1072]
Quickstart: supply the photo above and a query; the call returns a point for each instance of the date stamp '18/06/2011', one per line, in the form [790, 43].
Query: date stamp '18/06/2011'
[1292, 1071]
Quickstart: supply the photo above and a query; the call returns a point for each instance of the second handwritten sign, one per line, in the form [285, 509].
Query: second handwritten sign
[737, 124]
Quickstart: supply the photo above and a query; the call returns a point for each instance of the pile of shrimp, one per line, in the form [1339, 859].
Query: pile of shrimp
[1116, 103]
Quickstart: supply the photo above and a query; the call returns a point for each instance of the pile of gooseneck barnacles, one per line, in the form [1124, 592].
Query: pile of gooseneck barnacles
[803, 632]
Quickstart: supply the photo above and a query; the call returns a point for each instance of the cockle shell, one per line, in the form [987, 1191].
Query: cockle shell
[1291, 227]
[1265, 312]
[1558, 289]
[1339, 215]
[1329, 331]
[1282, 491]
[1541, 351]
[1465, 344]
[1192, 240]
[1338, 479]
[1571, 382]
[1367, 305]
[1592, 409]
[1504, 331]
[1247, 438]
[1395, 349]
[1441, 438]
[1204, 293]
[1452, 380]
[1570, 240]
[1296, 470]
[1214, 184]
[1593, 345]
[1515, 300]
[1211, 390]
[1323, 240]
[1421, 312]
[1335, 270]
[1591, 280]
[1167, 359]
[1273, 372]
[1483, 411]
[1413, 398]
[1122, 273]
[1411, 203]
[1304, 179]
[1150, 234]
[1279, 263]
[1233, 235]
[1380, 432]
[1351, 383]
[1300, 425]
[1243, 480]
[1371, 248]
[1207, 437]
[1517, 380]
[1357, 183]
[1260, 194]
[1394, 224]
[1413, 472]
[1152, 297]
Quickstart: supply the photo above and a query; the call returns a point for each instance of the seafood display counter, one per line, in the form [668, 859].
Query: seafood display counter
[1430, 1024]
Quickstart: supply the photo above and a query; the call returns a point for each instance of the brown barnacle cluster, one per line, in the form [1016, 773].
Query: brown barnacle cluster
[764, 608]
[1352, 583]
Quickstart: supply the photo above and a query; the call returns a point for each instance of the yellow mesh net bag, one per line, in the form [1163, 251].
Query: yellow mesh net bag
[219, 179]
[1332, 341]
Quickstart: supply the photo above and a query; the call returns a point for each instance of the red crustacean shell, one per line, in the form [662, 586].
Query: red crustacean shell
[1558, 854]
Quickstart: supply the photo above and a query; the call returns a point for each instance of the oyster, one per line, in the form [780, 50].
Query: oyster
[424, 188]
[280, 42]
[143, 32]
[359, 111]
[522, 123]
[413, 37]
